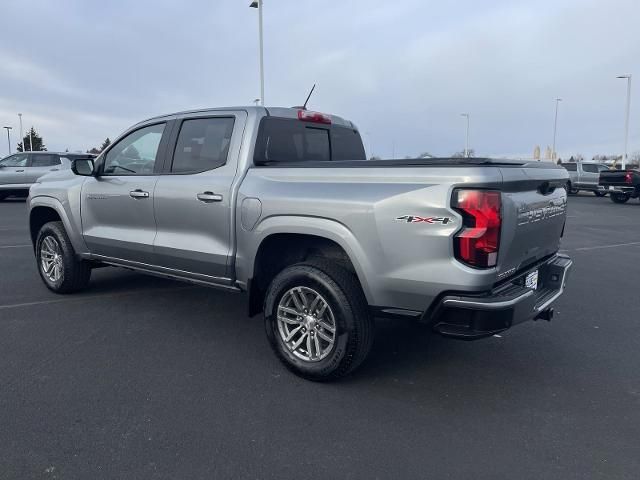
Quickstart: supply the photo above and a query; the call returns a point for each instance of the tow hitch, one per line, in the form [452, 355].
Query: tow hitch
[545, 315]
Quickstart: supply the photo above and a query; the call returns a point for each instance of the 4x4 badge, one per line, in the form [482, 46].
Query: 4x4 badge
[419, 219]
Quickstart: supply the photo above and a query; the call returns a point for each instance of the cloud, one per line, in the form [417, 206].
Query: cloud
[402, 71]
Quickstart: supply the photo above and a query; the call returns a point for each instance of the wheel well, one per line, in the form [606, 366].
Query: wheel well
[38, 217]
[278, 251]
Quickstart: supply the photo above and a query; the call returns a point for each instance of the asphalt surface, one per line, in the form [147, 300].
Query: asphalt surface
[144, 378]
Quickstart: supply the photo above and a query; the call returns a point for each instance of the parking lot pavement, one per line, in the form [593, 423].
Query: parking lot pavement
[140, 377]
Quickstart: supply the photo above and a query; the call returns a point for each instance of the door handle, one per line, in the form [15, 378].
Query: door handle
[138, 194]
[209, 197]
[19, 171]
[55, 169]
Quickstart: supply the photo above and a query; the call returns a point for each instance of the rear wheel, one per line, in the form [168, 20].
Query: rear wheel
[317, 320]
[620, 197]
[571, 190]
[59, 268]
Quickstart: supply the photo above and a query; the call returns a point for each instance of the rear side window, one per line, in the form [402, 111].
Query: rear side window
[590, 168]
[203, 144]
[346, 144]
[44, 160]
[289, 140]
[572, 167]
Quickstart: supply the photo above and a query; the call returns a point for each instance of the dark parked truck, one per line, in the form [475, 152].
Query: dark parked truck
[282, 204]
[621, 184]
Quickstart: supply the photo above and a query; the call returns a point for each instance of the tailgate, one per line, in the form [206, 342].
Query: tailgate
[534, 204]
[617, 178]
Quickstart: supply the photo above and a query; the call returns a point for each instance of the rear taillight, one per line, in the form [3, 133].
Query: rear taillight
[314, 117]
[478, 242]
[628, 178]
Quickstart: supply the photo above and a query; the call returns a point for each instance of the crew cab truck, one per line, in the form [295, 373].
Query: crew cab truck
[585, 176]
[621, 184]
[282, 204]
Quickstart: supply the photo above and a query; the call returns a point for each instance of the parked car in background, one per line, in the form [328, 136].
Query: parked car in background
[585, 176]
[621, 184]
[21, 170]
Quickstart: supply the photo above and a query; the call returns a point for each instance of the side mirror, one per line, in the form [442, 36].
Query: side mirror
[83, 167]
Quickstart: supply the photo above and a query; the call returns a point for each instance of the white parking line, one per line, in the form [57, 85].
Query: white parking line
[16, 246]
[92, 297]
[630, 244]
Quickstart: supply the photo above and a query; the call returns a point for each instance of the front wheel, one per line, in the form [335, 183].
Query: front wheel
[60, 269]
[620, 197]
[317, 320]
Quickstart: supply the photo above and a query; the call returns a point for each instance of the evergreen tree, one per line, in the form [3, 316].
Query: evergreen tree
[32, 136]
[105, 144]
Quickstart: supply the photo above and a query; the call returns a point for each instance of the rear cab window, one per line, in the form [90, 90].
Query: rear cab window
[285, 140]
[203, 144]
[44, 160]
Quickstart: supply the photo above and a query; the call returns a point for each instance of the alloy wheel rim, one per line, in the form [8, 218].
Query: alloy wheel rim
[51, 259]
[306, 324]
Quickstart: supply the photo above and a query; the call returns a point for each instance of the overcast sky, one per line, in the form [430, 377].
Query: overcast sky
[402, 70]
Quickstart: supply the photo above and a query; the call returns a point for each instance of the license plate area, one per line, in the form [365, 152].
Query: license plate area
[531, 280]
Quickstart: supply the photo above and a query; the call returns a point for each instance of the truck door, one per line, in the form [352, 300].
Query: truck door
[12, 169]
[193, 199]
[590, 175]
[40, 164]
[117, 204]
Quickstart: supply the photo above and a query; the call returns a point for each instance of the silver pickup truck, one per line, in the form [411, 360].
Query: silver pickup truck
[585, 176]
[282, 204]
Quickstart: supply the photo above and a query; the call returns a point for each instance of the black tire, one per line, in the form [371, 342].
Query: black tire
[620, 197]
[354, 327]
[75, 273]
[571, 190]
[599, 194]
[3, 196]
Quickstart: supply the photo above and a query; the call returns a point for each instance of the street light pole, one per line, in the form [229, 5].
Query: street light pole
[466, 143]
[21, 137]
[9, 138]
[258, 4]
[555, 130]
[626, 120]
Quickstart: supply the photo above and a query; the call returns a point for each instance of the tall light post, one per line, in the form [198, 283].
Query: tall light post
[21, 137]
[466, 142]
[368, 136]
[626, 119]
[555, 130]
[9, 138]
[258, 4]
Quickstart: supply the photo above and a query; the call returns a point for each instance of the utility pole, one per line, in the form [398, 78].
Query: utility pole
[626, 120]
[466, 143]
[555, 129]
[9, 138]
[258, 4]
[24, 149]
